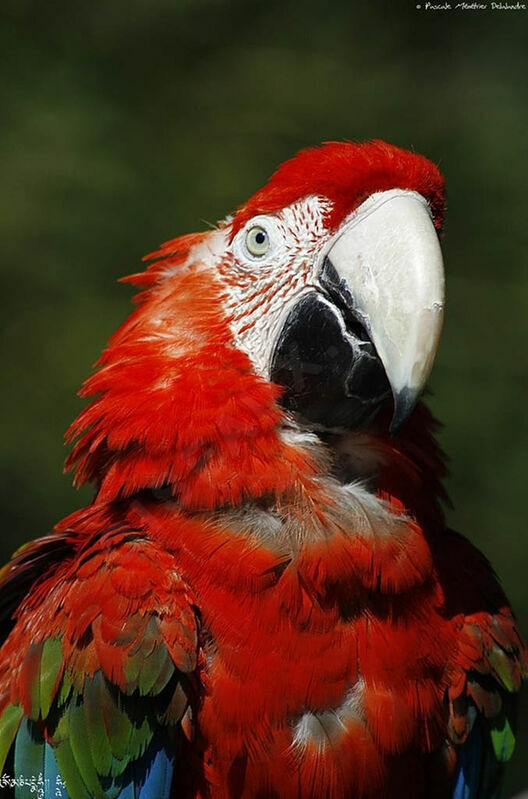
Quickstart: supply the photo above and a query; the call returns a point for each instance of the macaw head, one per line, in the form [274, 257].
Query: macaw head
[334, 280]
[328, 283]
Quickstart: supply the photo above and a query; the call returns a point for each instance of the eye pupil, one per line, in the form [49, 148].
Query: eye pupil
[260, 238]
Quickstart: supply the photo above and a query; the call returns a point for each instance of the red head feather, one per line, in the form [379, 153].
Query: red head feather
[346, 173]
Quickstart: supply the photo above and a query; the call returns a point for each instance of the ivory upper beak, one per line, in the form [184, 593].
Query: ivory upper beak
[388, 258]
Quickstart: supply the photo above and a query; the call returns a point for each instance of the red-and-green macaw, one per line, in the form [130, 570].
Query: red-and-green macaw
[263, 600]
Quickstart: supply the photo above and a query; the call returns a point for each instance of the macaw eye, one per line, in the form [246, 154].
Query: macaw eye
[257, 241]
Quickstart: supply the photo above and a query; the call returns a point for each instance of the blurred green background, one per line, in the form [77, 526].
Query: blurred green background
[126, 123]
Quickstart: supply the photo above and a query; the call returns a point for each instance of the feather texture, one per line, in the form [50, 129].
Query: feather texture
[91, 700]
[250, 609]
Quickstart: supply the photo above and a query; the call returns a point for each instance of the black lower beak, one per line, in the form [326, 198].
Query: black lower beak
[327, 364]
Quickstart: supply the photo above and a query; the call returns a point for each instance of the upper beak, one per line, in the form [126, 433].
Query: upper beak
[389, 265]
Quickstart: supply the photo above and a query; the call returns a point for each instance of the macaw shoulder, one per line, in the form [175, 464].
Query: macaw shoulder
[106, 635]
[491, 657]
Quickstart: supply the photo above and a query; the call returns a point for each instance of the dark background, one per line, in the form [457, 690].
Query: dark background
[126, 123]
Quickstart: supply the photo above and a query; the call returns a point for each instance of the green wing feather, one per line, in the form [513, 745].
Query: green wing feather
[100, 721]
[9, 725]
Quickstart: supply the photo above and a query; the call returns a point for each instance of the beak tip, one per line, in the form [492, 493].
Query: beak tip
[404, 402]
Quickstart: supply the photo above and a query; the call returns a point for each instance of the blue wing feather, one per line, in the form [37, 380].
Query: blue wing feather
[54, 784]
[149, 777]
[480, 773]
[467, 784]
[158, 779]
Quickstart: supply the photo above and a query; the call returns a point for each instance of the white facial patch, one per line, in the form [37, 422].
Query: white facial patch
[262, 289]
